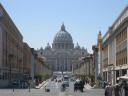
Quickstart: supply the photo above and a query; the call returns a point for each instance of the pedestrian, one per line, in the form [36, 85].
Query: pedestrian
[122, 91]
[75, 86]
[104, 84]
[63, 87]
[117, 90]
[81, 84]
[125, 88]
[109, 90]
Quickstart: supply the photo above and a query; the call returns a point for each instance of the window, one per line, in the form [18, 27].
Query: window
[1, 76]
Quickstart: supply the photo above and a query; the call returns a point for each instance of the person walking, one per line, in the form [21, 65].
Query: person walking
[125, 88]
[75, 86]
[81, 85]
[108, 90]
[63, 87]
[117, 90]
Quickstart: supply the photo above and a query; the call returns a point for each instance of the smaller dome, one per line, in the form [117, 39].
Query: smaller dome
[41, 49]
[83, 48]
[77, 46]
[48, 47]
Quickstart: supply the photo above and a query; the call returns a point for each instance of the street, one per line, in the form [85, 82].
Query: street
[54, 91]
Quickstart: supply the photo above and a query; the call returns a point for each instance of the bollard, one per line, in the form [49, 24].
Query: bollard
[13, 88]
[29, 87]
[13, 91]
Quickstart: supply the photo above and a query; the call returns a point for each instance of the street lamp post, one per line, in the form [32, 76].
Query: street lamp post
[62, 69]
[86, 65]
[84, 70]
[72, 69]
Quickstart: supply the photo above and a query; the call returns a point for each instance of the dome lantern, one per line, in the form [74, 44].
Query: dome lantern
[63, 28]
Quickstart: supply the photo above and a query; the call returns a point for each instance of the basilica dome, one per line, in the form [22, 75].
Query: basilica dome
[62, 36]
[63, 39]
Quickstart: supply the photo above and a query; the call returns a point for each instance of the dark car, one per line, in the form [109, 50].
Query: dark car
[15, 84]
[19, 84]
[66, 83]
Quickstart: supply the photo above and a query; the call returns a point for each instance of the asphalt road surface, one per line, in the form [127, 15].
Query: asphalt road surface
[54, 91]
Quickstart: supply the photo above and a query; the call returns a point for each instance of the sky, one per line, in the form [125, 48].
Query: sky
[39, 20]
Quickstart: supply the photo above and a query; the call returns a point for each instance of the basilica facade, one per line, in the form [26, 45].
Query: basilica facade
[62, 55]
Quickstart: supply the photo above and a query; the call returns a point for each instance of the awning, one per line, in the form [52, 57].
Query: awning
[123, 77]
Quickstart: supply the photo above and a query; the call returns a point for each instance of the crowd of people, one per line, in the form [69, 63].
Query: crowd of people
[79, 85]
[117, 90]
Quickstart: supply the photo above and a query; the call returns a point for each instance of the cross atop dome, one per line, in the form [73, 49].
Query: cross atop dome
[63, 27]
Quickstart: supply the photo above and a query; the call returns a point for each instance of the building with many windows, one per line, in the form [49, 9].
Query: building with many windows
[17, 60]
[11, 50]
[114, 49]
[85, 68]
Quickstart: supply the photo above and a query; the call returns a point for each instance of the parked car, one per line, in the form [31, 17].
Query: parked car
[66, 83]
[66, 80]
[19, 84]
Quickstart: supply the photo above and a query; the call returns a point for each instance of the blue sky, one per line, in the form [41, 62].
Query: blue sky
[39, 20]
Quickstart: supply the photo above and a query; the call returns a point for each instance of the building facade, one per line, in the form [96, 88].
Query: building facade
[27, 60]
[115, 49]
[62, 56]
[85, 68]
[17, 59]
[39, 65]
[11, 50]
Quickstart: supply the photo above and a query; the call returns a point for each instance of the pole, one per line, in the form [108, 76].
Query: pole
[29, 87]
[10, 72]
[86, 65]
[62, 70]
[29, 84]
[113, 75]
[72, 68]
[120, 70]
[13, 88]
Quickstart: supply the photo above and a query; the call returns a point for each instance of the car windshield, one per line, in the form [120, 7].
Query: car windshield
[66, 78]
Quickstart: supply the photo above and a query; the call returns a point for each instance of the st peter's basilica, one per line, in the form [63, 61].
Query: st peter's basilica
[62, 55]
